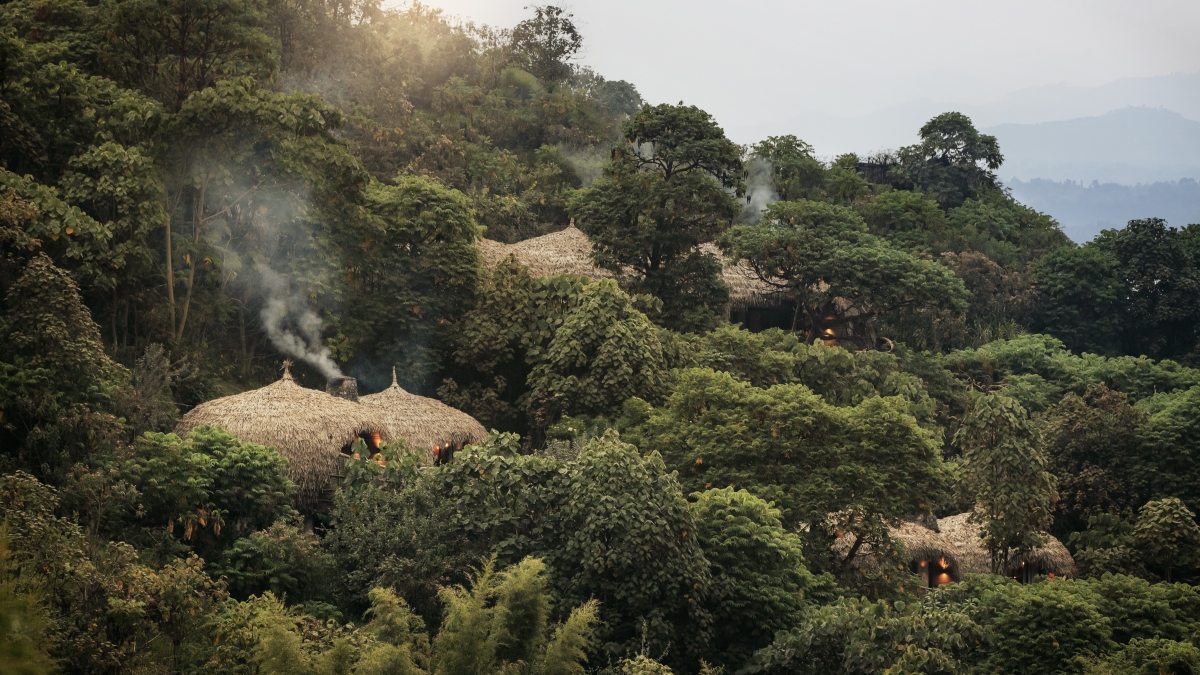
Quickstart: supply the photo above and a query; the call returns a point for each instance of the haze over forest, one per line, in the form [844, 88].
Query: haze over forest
[1076, 93]
[631, 338]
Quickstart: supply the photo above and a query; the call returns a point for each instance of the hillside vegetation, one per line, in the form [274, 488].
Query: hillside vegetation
[197, 194]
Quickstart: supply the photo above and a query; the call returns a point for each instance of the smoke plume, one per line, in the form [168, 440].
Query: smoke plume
[292, 325]
[760, 188]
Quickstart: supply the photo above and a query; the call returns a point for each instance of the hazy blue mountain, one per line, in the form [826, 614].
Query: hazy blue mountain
[1128, 146]
[1084, 210]
[894, 126]
[1179, 92]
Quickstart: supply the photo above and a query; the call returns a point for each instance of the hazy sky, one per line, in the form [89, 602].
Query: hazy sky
[757, 61]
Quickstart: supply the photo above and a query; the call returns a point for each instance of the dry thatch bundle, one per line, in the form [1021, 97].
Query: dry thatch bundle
[306, 426]
[423, 422]
[972, 557]
[745, 288]
[957, 542]
[565, 251]
[570, 251]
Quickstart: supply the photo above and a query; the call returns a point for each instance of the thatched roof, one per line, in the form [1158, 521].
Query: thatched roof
[423, 422]
[570, 251]
[306, 426]
[566, 251]
[958, 542]
[965, 546]
[745, 288]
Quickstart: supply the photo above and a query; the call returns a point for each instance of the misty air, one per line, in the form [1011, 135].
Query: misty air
[466, 337]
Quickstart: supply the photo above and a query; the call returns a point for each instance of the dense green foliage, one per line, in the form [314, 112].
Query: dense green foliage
[838, 471]
[836, 272]
[663, 194]
[552, 346]
[615, 525]
[758, 574]
[1004, 468]
[191, 191]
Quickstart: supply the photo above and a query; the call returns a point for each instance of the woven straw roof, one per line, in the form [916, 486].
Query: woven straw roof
[306, 426]
[423, 422]
[745, 288]
[564, 251]
[570, 251]
[965, 545]
[958, 542]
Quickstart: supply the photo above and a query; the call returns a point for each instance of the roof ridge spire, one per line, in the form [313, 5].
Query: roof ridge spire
[394, 377]
[287, 373]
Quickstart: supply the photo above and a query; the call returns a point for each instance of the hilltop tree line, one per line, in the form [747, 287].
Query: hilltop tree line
[191, 191]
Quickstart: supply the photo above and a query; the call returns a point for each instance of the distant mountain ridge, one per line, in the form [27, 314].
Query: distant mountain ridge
[1179, 92]
[897, 125]
[1127, 146]
[1084, 210]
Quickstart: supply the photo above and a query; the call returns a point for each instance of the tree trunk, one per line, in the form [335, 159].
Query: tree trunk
[245, 356]
[170, 279]
[197, 220]
[814, 328]
[112, 317]
[858, 542]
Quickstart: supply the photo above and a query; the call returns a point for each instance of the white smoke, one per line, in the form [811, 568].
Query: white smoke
[292, 325]
[760, 188]
[589, 164]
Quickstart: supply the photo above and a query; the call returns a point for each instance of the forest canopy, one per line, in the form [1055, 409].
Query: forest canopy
[733, 434]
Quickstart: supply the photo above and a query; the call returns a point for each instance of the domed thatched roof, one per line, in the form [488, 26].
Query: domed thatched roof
[307, 426]
[423, 422]
[745, 288]
[565, 251]
[957, 541]
[964, 544]
[570, 251]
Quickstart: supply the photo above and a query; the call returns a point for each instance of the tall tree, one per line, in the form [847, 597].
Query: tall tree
[953, 162]
[1005, 471]
[670, 188]
[408, 270]
[1170, 446]
[172, 49]
[55, 376]
[908, 219]
[836, 273]
[244, 172]
[1081, 297]
[1161, 317]
[796, 173]
[545, 44]
[538, 349]
[604, 353]
[1001, 301]
[626, 537]
[1166, 531]
[1090, 442]
[758, 573]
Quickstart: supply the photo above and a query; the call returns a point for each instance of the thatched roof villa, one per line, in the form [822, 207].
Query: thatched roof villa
[955, 550]
[567, 251]
[307, 426]
[570, 251]
[425, 423]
